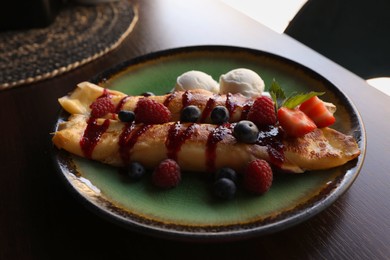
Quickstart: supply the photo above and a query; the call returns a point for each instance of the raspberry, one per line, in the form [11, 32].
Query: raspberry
[149, 111]
[262, 112]
[167, 174]
[258, 177]
[101, 107]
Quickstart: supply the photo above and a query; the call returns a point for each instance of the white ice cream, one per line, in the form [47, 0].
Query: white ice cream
[196, 79]
[244, 81]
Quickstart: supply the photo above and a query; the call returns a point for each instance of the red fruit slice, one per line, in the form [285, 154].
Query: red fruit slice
[294, 122]
[315, 109]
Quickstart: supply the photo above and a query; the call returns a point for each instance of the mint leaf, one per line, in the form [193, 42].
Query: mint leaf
[277, 93]
[295, 100]
[279, 96]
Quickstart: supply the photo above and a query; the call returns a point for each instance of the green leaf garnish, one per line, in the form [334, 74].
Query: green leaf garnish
[277, 93]
[295, 100]
[279, 96]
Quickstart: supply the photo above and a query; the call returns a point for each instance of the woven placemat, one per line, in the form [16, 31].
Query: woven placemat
[78, 35]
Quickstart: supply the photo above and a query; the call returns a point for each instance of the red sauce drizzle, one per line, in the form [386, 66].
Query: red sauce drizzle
[92, 135]
[186, 98]
[121, 103]
[172, 139]
[124, 146]
[245, 110]
[230, 105]
[271, 137]
[176, 138]
[213, 139]
[207, 109]
[169, 99]
[106, 93]
[128, 139]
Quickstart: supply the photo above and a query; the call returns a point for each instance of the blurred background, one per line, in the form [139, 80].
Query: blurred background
[275, 14]
[352, 33]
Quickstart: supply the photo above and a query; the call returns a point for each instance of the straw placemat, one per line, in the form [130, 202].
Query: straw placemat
[78, 35]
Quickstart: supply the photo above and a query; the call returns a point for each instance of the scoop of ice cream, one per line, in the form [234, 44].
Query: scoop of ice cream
[244, 81]
[196, 79]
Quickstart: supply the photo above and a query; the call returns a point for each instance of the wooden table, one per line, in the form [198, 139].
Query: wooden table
[39, 219]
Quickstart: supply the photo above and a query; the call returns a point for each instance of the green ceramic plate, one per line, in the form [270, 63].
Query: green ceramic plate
[190, 211]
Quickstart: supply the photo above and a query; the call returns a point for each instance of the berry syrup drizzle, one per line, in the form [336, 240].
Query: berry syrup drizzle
[245, 110]
[207, 109]
[176, 138]
[186, 98]
[271, 136]
[93, 132]
[230, 105]
[213, 139]
[169, 98]
[121, 103]
[128, 139]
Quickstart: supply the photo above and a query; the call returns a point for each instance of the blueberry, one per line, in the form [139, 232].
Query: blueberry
[147, 94]
[227, 173]
[135, 171]
[126, 116]
[224, 188]
[219, 115]
[190, 114]
[246, 131]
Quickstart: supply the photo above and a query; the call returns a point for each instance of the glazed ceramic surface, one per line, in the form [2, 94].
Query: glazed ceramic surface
[190, 211]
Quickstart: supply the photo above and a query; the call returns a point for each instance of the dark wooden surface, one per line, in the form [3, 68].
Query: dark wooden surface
[39, 219]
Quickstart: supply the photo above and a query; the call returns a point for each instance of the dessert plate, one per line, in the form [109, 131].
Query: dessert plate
[190, 211]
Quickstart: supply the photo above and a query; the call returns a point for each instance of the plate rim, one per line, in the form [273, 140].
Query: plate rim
[225, 235]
